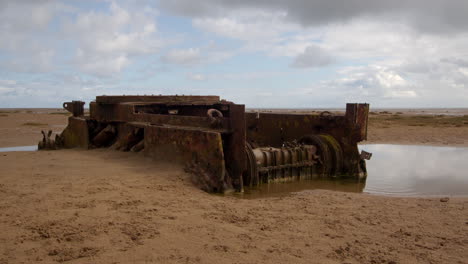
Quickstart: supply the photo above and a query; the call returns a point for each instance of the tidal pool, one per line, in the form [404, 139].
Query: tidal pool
[396, 170]
[20, 148]
[405, 170]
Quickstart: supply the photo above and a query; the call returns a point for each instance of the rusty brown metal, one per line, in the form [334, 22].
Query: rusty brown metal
[189, 146]
[219, 143]
[75, 107]
[46, 143]
[76, 134]
[294, 162]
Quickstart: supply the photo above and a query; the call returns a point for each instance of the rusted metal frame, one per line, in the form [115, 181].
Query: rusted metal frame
[203, 129]
[139, 124]
[234, 145]
[202, 149]
[193, 121]
[357, 118]
[351, 161]
[188, 104]
[271, 129]
[129, 134]
[200, 110]
[191, 108]
[115, 99]
[216, 130]
[75, 107]
[76, 134]
[104, 112]
[287, 166]
[125, 113]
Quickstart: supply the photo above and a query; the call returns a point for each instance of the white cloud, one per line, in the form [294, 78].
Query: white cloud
[196, 77]
[388, 87]
[7, 82]
[243, 76]
[101, 65]
[23, 35]
[401, 94]
[4, 90]
[196, 56]
[52, 90]
[247, 25]
[400, 52]
[313, 56]
[189, 56]
[108, 41]
[118, 31]
[372, 83]
[28, 61]
[104, 41]
[398, 65]
[24, 17]
[463, 71]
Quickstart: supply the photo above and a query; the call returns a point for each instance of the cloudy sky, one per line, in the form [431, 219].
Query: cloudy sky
[262, 53]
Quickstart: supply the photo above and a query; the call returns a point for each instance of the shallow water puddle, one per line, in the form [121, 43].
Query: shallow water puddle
[417, 170]
[283, 189]
[20, 148]
[397, 170]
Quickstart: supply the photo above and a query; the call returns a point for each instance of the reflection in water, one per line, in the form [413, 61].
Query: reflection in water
[21, 148]
[282, 189]
[417, 170]
[398, 170]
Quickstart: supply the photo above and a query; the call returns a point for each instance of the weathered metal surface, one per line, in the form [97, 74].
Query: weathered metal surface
[75, 107]
[336, 136]
[357, 118]
[365, 155]
[47, 143]
[282, 164]
[76, 134]
[105, 137]
[160, 114]
[330, 161]
[272, 129]
[193, 147]
[218, 142]
[234, 145]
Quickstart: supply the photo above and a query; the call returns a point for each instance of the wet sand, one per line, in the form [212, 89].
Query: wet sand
[419, 127]
[22, 127]
[105, 206]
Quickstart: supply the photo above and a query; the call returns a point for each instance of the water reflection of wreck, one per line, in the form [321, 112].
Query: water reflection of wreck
[273, 190]
[221, 144]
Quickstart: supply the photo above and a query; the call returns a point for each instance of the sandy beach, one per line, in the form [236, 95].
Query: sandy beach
[103, 206]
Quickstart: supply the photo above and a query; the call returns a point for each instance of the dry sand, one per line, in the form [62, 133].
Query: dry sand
[104, 206]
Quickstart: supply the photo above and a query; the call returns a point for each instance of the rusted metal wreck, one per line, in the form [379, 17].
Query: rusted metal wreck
[223, 146]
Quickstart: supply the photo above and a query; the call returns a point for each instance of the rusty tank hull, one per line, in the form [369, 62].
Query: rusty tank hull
[223, 146]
